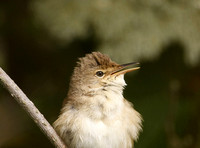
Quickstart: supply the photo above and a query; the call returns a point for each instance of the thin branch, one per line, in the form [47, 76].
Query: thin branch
[30, 108]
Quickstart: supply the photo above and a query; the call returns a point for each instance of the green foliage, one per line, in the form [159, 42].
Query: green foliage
[137, 27]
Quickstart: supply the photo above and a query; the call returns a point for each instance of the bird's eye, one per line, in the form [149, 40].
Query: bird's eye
[99, 73]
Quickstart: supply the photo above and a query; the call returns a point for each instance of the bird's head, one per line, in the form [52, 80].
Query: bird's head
[97, 71]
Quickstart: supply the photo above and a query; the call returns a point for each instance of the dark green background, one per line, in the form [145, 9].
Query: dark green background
[166, 90]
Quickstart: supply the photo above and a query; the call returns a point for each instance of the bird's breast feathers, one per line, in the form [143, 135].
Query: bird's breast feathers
[102, 125]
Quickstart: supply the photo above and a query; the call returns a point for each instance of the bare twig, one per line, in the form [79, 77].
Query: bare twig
[30, 108]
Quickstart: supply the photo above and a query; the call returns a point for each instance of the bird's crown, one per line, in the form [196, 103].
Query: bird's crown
[96, 59]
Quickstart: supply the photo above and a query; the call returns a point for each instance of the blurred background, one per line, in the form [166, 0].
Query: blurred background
[40, 41]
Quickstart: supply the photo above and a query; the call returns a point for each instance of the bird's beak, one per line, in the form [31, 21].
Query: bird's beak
[122, 68]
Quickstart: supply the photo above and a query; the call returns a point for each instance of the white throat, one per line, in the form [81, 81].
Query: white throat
[108, 101]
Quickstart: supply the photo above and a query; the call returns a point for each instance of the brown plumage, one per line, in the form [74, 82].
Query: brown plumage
[96, 59]
[95, 113]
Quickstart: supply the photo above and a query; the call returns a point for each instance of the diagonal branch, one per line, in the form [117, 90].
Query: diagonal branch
[30, 108]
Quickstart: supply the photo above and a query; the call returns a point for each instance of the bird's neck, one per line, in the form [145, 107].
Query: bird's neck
[99, 103]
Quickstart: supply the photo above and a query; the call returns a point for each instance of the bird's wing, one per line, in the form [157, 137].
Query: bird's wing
[133, 119]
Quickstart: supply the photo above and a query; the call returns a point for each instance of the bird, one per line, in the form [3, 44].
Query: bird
[95, 114]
